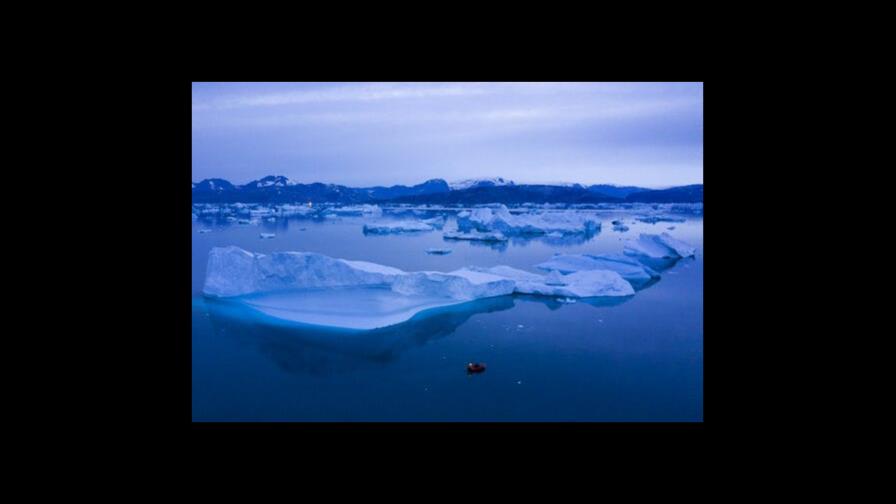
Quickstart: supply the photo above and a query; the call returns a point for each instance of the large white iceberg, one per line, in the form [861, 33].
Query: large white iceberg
[500, 219]
[658, 246]
[279, 284]
[636, 273]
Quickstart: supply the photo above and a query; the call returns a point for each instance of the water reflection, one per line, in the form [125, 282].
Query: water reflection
[299, 349]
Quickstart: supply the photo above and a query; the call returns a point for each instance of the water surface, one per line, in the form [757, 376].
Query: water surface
[638, 358]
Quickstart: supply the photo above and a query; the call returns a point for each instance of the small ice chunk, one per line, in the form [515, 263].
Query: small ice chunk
[438, 251]
[266, 235]
[621, 228]
[204, 230]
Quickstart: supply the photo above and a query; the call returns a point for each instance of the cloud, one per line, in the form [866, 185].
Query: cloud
[345, 93]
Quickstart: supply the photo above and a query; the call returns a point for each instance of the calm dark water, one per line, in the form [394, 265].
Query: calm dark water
[634, 359]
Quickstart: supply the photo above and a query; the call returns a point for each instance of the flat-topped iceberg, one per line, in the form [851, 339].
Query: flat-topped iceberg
[653, 219]
[631, 270]
[500, 219]
[474, 236]
[658, 246]
[279, 284]
[407, 226]
[369, 210]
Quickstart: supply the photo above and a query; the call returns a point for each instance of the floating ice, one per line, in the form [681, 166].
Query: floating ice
[438, 251]
[636, 273]
[204, 230]
[620, 228]
[658, 246]
[591, 283]
[500, 219]
[397, 227]
[474, 235]
[367, 210]
[266, 235]
[281, 284]
[653, 219]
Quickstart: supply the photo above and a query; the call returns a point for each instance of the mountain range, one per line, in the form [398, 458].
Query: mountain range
[279, 189]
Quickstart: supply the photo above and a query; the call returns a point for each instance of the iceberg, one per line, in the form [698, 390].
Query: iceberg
[284, 285]
[500, 219]
[582, 284]
[438, 251]
[204, 230]
[475, 236]
[266, 235]
[366, 210]
[658, 246]
[631, 270]
[620, 228]
[397, 227]
[653, 219]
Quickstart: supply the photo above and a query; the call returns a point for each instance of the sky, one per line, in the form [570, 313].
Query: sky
[367, 134]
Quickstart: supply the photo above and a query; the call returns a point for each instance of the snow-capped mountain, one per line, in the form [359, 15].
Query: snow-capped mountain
[460, 185]
[270, 181]
[213, 184]
[279, 189]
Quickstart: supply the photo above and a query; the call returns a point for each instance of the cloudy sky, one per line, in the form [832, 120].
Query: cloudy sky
[363, 134]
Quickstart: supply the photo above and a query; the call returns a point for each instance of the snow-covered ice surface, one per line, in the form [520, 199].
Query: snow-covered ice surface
[658, 246]
[474, 236]
[500, 219]
[407, 226]
[278, 285]
[631, 270]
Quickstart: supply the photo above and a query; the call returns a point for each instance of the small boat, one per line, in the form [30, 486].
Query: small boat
[475, 367]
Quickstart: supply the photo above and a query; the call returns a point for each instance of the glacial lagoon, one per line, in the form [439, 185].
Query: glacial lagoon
[631, 358]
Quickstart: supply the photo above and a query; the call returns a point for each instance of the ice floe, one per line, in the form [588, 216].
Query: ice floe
[588, 283]
[407, 226]
[474, 236]
[501, 220]
[653, 219]
[266, 235]
[658, 246]
[438, 251]
[278, 285]
[631, 270]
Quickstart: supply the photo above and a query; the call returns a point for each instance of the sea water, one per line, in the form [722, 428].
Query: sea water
[638, 358]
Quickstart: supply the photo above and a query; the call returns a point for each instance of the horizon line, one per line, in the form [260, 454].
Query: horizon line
[461, 180]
